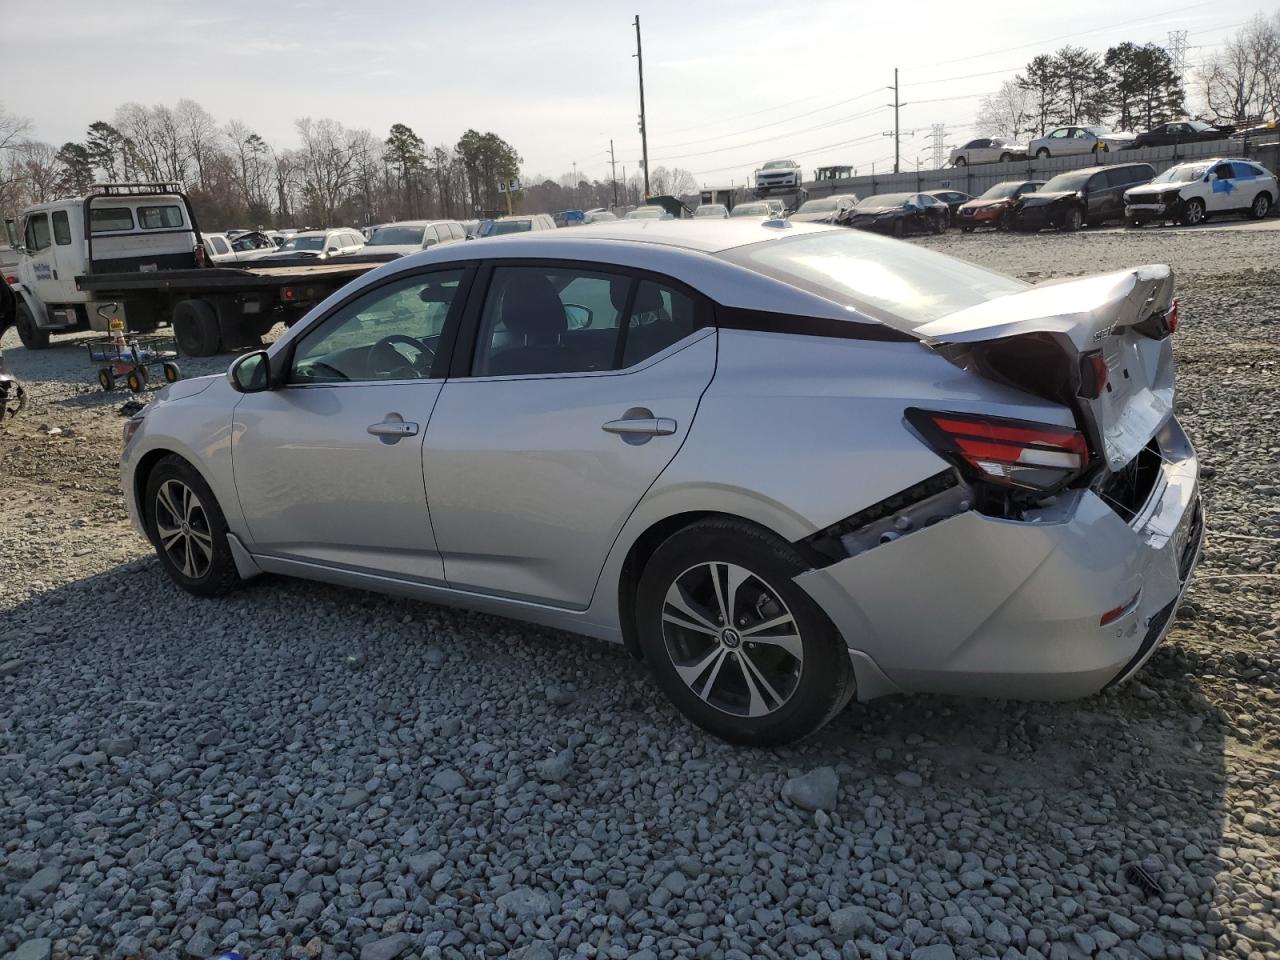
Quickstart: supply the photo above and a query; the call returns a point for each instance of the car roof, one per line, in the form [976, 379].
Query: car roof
[705, 236]
[413, 223]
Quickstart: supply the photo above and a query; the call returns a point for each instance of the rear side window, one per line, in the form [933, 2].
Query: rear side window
[61, 228]
[37, 232]
[219, 245]
[660, 316]
[160, 218]
[110, 219]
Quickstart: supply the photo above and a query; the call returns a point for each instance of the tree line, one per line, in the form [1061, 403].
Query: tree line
[234, 177]
[1134, 87]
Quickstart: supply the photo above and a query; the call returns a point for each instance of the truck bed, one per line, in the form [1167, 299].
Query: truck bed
[225, 279]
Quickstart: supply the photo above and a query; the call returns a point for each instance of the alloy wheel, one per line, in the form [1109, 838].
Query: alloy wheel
[1261, 205]
[732, 639]
[183, 529]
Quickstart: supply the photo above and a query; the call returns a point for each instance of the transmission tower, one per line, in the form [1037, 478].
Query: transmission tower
[1177, 49]
[938, 132]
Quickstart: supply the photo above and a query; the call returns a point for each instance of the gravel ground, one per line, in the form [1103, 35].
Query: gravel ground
[304, 771]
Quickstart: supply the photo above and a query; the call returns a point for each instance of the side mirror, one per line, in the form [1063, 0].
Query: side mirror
[579, 317]
[1210, 177]
[250, 373]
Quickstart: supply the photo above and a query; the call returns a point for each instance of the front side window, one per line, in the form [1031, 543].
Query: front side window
[550, 320]
[110, 219]
[61, 228]
[389, 333]
[1060, 133]
[167, 217]
[37, 232]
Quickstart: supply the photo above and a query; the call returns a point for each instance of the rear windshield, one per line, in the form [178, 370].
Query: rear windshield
[160, 218]
[303, 243]
[901, 284]
[1065, 182]
[1002, 191]
[817, 206]
[886, 200]
[108, 219]
[500, 227]
[397, 236]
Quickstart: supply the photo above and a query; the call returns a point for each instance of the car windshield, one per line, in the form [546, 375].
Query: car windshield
[779, 165]
[817, 206]
[1200, 126]
[646, 213]
[303, 243]
[885, 200]
[904, 285]
[1066, 182]
[1002, 191]
[710, 210]
[1183, 173]
[750, 210]
[499, 227]
[397, 236]
[1097, 131]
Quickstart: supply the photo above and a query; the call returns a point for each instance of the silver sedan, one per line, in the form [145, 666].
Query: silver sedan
[786, 465]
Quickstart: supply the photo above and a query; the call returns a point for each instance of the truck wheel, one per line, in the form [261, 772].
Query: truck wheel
[32, 337]
[195, 327]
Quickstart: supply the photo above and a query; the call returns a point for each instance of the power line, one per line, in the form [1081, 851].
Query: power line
[802, 153]
[780, 136]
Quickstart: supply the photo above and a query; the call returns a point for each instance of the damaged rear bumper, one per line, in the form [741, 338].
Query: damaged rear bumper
[977, 605]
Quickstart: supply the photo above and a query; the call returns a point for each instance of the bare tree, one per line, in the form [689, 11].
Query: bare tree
[39, 170]
[329, 155]
[1240, 82]
[1008, 113]
[198, 135]
[13, 132]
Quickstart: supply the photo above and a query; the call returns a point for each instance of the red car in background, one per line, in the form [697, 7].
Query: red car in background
[995, 207]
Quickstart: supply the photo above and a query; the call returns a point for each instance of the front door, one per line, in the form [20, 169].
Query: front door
[1224, 189]
[328, 467]
[582, 386]
[39, 269]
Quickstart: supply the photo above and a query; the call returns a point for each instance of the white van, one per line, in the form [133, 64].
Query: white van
[118, 228]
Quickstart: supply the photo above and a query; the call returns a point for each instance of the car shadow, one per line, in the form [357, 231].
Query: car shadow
[990, 810]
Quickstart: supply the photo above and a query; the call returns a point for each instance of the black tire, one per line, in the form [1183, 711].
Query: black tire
[966, 229]
[1193, 212]
[1072, 220]
[961, 162]
[106, 379]
[1135, 223]
[937, 226]
[1042, 153]
[216, 574]
[32, 337]
[1261, 206]
[817, 685]
[195, 327]
[136, 379]
[899, 228]
[172, 373]
[1006, 157]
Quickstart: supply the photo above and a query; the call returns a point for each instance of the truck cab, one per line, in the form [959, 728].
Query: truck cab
[116, 228]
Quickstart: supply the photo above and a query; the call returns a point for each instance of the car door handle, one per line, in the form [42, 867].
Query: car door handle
[642, 427]
[393, 428]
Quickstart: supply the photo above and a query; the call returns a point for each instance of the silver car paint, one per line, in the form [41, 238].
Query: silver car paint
[814, 401]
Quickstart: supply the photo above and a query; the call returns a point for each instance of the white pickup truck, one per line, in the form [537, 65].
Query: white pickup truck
[132, 250]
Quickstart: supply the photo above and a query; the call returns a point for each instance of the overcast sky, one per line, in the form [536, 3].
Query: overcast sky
[728, 85]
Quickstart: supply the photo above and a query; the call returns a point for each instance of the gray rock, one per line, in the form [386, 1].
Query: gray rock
[526, 903]
[310, 905]
[10, 667]
[556, 769]
[849, 922]
[42, 882]
[816, 790]
[200, 945]
[1123, 927]
[117, 746]
[352, 798]
[448, 780]
[934, 951]
[558, 696]
[388, 948]
[38, 949]
[618, 902]
[909, 778]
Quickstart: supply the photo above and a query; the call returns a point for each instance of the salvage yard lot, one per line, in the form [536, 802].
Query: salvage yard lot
[301, 770]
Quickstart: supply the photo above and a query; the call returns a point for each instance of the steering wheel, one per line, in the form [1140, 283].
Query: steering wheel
[384, 358]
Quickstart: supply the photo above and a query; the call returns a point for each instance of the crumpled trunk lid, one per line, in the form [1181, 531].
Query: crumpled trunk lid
[1036, 340]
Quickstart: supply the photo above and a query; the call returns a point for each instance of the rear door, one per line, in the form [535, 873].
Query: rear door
[574, 389]
[1225, 191]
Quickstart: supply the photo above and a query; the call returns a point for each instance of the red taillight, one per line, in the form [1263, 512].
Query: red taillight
[288, 293]
[200, 256]
[1111, 616]
[1017, 453]
[1093, 374]
[1171, 318]
[11, 281]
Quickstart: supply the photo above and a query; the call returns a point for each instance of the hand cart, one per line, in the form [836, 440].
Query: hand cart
[131, 357]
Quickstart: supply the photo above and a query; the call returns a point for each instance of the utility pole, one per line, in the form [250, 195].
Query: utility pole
[644, 133]
[896, 133]
[938, 131]
[613, 172]
[574, 198]
[1177, 49]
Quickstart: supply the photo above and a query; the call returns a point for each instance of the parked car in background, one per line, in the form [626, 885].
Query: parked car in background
[778, 174]
[601, 215]
[995, 207]
[954, 199]
[517, 224]
[317, 245]
[1077, 198]
[899, 214]
[410, 236]
[1192, 192]
[825, 209]
[472, 228]
[648, 212]
[1077, 141]
[219, 248]
[777, 209]
[988, 150]
[753, 208]
[711, 211]
[1180, 131]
